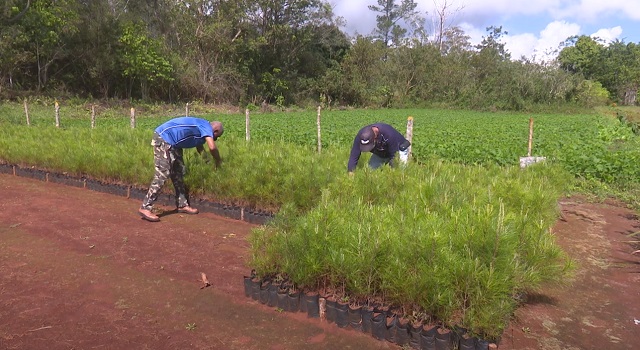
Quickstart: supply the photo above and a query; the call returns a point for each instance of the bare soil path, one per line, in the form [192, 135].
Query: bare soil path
[600, 307]
[80, 270]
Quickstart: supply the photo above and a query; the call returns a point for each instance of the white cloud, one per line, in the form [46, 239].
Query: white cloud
[521, 45]
[545, 46]
[507, 7]
[593, 10]
[359, 18]
[608, 34]
[557, 9]
[542, 47]
[475, 34]
[551, 37]
[560, 18]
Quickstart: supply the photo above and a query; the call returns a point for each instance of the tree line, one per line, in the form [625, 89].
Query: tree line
[291, 52]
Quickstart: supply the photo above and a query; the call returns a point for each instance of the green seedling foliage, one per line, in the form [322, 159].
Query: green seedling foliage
[457, 241]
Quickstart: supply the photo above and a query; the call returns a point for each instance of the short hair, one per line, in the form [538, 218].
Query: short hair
[216, 125]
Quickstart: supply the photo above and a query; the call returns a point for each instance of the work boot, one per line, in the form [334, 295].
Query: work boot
[188, 210]
[148, 215]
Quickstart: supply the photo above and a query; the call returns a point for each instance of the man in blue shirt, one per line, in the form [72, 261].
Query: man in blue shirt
[380, 139]
[169, 139]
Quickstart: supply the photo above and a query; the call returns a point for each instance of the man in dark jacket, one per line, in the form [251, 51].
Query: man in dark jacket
[383, 141]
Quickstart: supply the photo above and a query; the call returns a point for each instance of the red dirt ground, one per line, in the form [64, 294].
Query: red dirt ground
[80, 270]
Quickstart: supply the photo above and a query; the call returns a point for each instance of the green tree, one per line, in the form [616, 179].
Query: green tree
[142, 59]
[490, 71]
[283, 33]
[364, 73]
[580, 55]
[621, 70]
[454, 40]
[616, 66]
[452, 78]
[13, 10]
[388, 29]
[492, 45]
[591, 93]
[410, 71]
[209, 42]
[320, 64]
[96, 64]
[12, 41]
[47, 26]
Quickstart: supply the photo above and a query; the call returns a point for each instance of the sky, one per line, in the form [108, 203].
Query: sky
[535, 28]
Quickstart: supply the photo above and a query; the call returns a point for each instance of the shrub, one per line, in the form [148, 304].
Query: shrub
[591, 94]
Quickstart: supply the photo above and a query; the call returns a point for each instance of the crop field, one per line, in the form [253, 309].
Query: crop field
[589, 146]
[452, 237]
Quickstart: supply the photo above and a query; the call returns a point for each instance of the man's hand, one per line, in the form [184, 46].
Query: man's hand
[213, 149]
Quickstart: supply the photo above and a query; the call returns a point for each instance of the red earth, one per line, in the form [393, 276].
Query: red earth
[80, 270]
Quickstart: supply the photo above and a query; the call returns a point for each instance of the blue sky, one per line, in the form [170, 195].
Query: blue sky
[535, 27]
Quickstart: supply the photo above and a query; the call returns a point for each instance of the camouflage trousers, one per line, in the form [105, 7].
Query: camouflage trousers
[169, 163]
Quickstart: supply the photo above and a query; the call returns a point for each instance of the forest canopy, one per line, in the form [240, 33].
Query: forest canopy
[291, 52]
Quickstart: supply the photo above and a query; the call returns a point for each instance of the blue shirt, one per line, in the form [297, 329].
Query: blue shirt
[185, 132]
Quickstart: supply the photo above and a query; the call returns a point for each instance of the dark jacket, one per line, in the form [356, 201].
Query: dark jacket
[388, 143]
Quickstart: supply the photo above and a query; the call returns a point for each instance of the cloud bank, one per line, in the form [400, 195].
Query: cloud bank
[535, 28]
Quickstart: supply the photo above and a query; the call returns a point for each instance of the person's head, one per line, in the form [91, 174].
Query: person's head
[218, 130]
[367, 139]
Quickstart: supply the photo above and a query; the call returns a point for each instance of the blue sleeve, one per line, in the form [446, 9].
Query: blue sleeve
[205, 129]
[354, 156]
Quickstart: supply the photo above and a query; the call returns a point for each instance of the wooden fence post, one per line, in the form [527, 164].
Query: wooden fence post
[246, 123]
[26, 112]
[93, 116]
[133, 118]
[57, 109]
[530, 137]
[319, 134]
[409, 136]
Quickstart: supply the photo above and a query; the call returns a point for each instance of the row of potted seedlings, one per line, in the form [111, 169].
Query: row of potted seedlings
[250, 215]
[381, 322]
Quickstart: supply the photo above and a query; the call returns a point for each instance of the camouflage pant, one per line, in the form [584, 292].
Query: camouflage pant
[169, 163]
